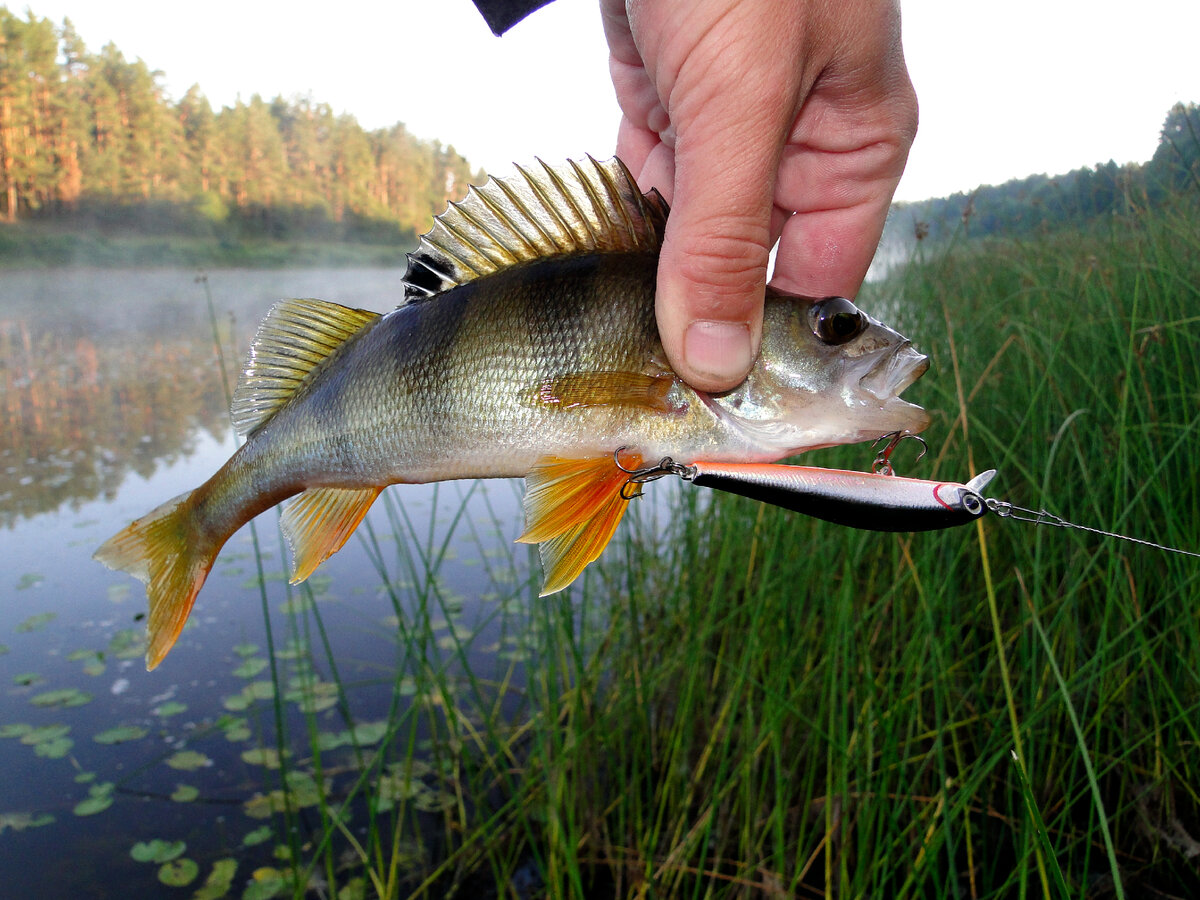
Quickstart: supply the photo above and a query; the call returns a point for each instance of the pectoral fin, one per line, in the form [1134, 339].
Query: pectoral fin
[582, 389]
[572, 508]
[318, 522]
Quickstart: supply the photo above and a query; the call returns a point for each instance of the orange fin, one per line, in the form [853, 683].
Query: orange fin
[319, 521]
[572, 508]
[582, 389]
[165, 551]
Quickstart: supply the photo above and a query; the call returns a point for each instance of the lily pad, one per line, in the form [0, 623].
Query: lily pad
[297, 604]
[55, 749]
[391, 789]
[293, 649]
[121, 734]
[262, 756]
[35, 622]
[236, 703]
[25, 679]
[259, 835]
[259, 690]
[260, 806]
[30, 579]
[328, 740]
[44, 733]
[302, 791]
[3, 649]
[188, 760]
[219, 881]
[99, 799]
[179, 873]
[16, 729]
[128, 643]
[185, 793]
[251, 667]
[370, 732]
[19, 821]
[245, 649]
[157, 850]
[315, 697]
[267, 883]
[62, 697]
[170, 708]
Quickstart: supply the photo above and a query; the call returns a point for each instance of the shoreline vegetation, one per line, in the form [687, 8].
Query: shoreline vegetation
[98, 166]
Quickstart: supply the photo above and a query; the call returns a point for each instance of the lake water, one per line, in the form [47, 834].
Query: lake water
[111, 401]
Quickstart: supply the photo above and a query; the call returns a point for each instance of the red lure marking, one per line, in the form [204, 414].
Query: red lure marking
[938, 498]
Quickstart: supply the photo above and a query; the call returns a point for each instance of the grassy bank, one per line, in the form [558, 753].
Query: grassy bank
[747, 703]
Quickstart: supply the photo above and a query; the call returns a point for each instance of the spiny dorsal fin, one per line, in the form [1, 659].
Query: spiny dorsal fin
[543, 211]
[292, 340]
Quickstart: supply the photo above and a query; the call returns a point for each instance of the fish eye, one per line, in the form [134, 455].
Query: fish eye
[835, 320]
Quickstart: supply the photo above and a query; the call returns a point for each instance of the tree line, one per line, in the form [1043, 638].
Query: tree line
[93, 138]
[1026, 205]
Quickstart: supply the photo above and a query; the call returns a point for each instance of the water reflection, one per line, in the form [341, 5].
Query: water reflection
[77, 414]
[107, 373]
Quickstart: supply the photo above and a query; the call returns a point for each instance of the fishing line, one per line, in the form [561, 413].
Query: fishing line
[1005, 510]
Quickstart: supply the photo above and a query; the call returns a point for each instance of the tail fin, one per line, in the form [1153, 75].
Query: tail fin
[164, 550]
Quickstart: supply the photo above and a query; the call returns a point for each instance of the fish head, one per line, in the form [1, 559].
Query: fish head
[827, 373]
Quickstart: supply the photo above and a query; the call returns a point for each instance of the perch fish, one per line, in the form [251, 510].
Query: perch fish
[525, 346]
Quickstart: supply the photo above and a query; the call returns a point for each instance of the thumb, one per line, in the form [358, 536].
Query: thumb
[712, 270]
[729, 134]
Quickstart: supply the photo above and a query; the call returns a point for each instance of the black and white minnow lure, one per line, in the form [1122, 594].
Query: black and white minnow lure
[867, 500]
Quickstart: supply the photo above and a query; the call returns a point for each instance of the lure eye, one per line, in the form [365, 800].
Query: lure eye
[973, 504]
[835, 320]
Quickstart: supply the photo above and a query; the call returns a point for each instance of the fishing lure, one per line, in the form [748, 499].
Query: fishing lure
[878, 500]
[867, 500]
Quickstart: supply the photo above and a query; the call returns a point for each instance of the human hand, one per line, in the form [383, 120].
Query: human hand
[758, 120]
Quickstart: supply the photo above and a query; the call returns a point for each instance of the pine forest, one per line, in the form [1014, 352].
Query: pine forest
[92, 140]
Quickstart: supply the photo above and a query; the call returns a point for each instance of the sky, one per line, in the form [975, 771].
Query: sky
[1006, 90]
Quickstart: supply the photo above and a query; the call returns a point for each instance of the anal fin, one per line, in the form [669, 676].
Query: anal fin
[319, 521]
[572, 509]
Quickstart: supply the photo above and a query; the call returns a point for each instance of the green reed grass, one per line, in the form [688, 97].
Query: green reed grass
[741, 702]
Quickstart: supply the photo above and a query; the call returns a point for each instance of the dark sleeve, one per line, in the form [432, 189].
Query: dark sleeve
[502, 15]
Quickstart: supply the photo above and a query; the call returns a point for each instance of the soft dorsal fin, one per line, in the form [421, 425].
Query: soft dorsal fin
[294, 338]
[542, 212]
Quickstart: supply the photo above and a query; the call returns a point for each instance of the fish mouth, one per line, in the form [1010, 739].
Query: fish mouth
[894, 372]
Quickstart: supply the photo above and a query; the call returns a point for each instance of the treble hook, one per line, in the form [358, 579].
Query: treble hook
[883, 461]
[638, 477]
